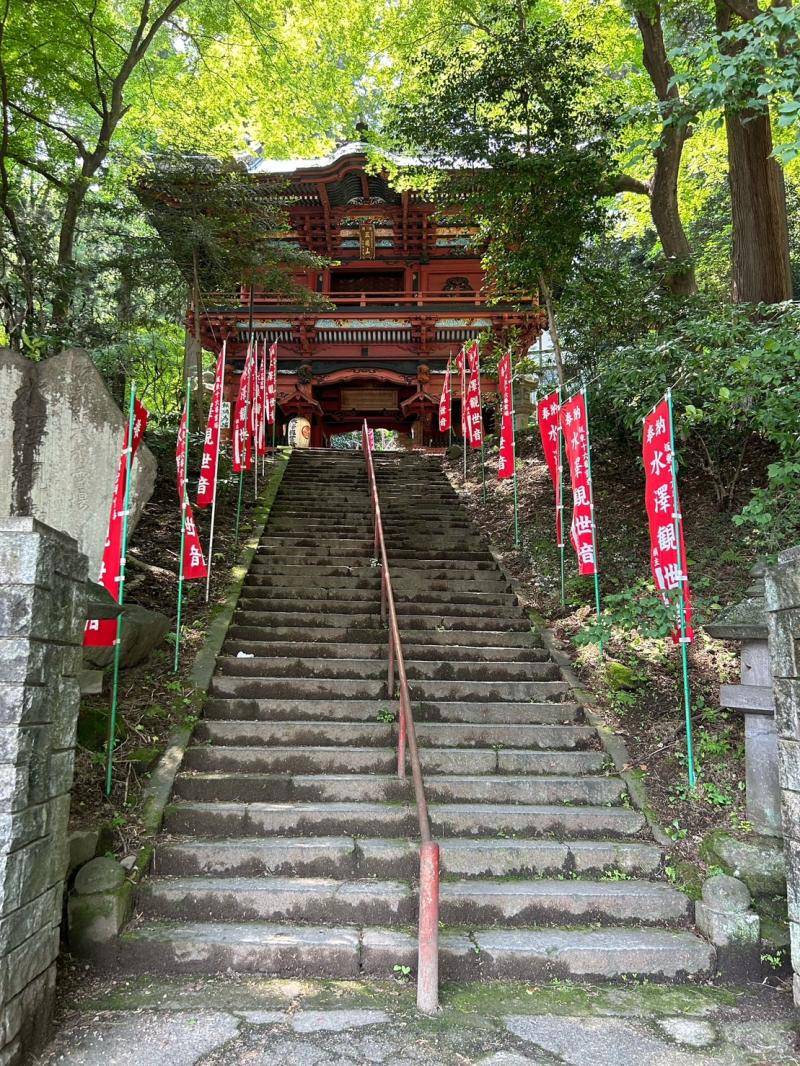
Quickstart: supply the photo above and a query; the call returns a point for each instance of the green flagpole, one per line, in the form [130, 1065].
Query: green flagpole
[594, 526]
[239, 507]
[514, 454]
[112, 721]
[183, 489]
[560, 508]
[684, 640]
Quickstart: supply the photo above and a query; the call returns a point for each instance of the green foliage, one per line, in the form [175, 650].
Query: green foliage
[735, 372]
[509, 126]
[753, 67]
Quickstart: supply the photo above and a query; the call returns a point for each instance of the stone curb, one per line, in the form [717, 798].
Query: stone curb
[613, 744]
[157, 791]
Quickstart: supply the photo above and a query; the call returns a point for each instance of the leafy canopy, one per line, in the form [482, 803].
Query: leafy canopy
[508, 123]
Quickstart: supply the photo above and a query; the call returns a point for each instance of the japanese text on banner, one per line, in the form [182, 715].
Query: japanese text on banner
[507, 461]
[194, 564]
[667, 549]
[242, 438]
[207, 482]
[474, 413]
[575, 430]
[444, 402]
[272, 382]
[547, 412]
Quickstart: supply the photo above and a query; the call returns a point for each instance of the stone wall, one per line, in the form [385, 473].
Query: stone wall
[42, 613]
[783, 607]
[60, 439]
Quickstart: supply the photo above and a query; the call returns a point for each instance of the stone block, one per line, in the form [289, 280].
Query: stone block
[789, 763]
[758, 861]
[20, 661]
[782, 585]
[31, 958]
[22, 561]
[83, 433]
[791, 814]
[724, 916]
[28, 873]
[787, 707]
[762, 774]
[28, 1014]
[22, 827]
[24, 922]
[784, 640]
[82, 845]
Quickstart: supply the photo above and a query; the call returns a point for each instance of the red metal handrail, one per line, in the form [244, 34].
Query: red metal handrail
[428, 925]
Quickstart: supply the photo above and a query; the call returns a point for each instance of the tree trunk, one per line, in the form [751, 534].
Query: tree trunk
[761, 272]
[680, 277]
[193, 353]
[65, 276]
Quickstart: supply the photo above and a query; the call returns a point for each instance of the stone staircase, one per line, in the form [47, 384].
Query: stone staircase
[291, 847]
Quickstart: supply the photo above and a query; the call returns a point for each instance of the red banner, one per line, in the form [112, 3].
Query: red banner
[242, 419]
[507, 464]
[260, 405]
[547, 412]
[445, 420]
[194, 565]
[474, 415]
[102, 632]
[207, 482]
[667, 549]
[575, 430]
[272, 382]
[461, 366]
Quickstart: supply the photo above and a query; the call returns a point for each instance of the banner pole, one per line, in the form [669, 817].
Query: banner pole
[183, 537]
[594, 525]
[684, 640]
[239, 508]
[216, 473]
[112, 721]
[560, 505]
[450, 412]
[514, 453]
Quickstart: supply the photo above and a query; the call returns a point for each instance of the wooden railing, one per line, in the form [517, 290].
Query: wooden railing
[479, 298]
[428, 924]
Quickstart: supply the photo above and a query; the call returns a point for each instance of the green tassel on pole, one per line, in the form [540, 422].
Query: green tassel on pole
[687, 698]
[184, 489]
[112, 721]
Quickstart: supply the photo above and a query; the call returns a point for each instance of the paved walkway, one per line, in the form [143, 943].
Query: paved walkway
[232, 1020]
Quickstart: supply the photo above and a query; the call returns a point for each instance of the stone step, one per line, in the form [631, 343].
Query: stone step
[383, 734]
[261, 645]
[302, 633]
[338, 856]
[271, 666]
[538, 955]
[288, 710]
[367, 819]
[346, 952]
[286, 759]
[278, 899]
[297, 687]
[314, 587]
[260, 600]
[371, 902]
[370, 788]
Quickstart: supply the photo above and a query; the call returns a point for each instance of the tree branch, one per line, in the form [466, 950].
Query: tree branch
[627, 183]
